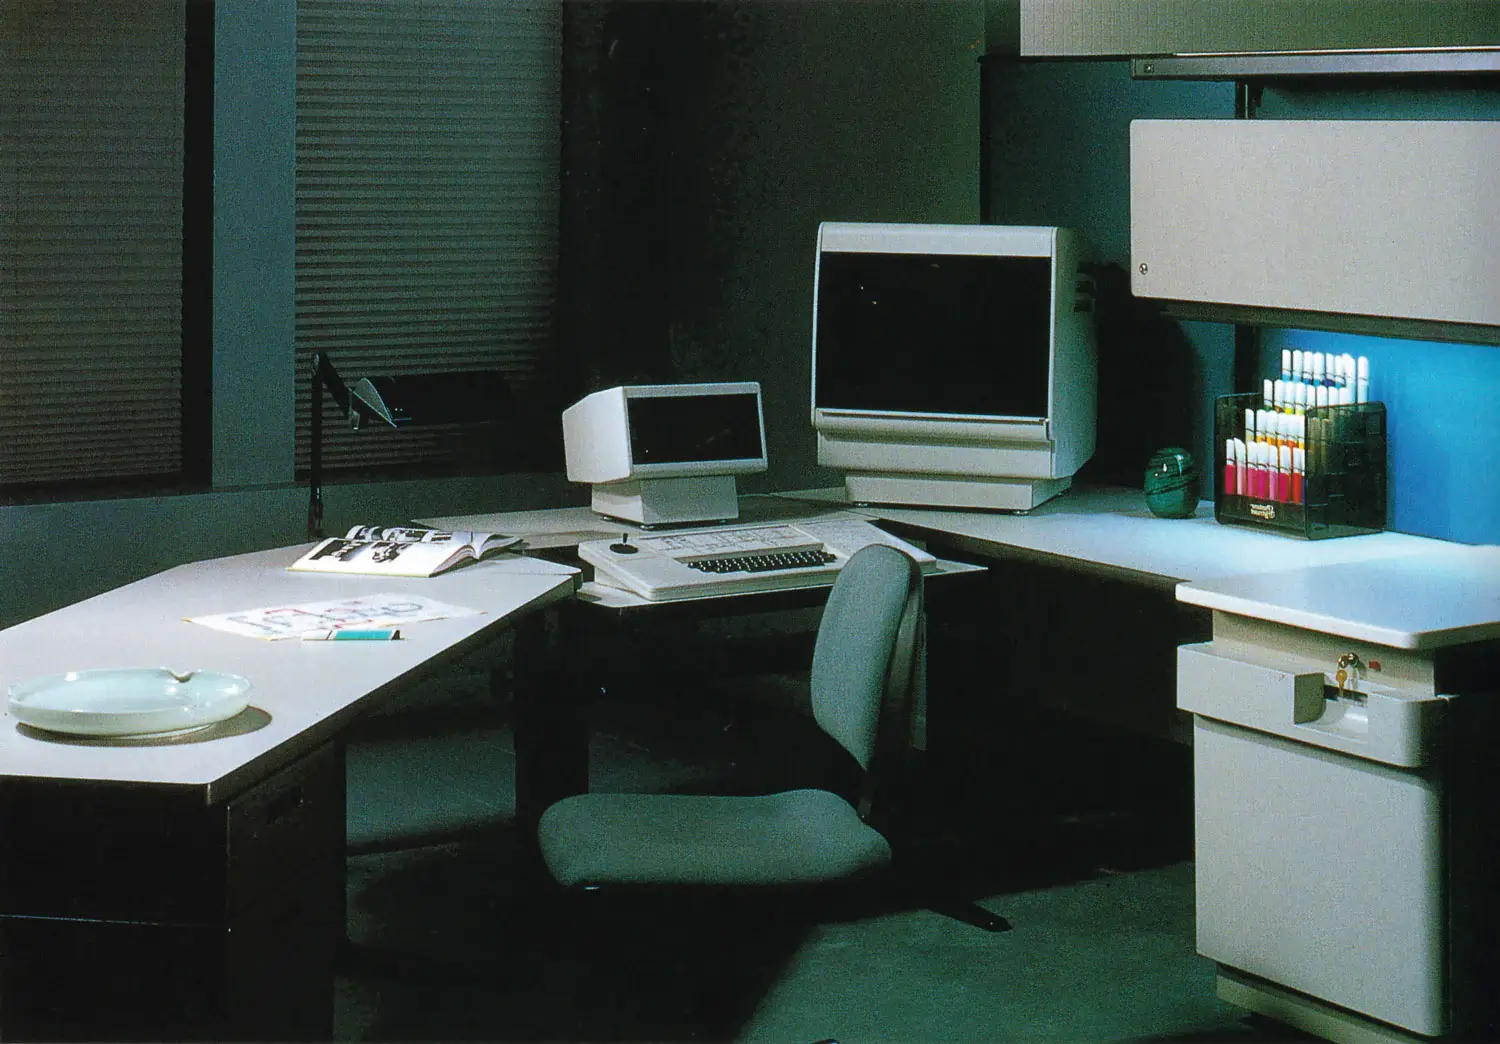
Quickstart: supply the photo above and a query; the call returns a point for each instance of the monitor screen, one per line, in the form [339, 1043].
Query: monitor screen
[681, 429]
[934, 333]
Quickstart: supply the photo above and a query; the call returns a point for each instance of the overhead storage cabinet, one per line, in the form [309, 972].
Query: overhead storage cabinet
[1377, 218]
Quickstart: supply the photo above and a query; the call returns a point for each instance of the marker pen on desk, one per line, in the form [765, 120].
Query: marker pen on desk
[1286, 364]
[1242, 462]
[1299, 475]
[350, 634]
[1297, 365]
[1362, 380]
[1268, 393]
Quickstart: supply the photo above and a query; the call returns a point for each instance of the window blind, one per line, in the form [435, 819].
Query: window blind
[428, 136]
[91, 147]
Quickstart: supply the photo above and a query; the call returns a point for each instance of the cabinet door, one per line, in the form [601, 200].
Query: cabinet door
[1322, 873]
[1327, 216]
[1102, 28]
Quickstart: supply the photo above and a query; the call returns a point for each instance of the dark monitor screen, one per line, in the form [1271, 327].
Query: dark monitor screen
[934, 333]
[681, 429]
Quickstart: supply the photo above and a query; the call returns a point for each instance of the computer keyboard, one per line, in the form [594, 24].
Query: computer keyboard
[737, 560]
[764, 563]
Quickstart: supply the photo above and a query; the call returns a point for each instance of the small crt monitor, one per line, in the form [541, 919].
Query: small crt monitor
[662, 454]
[953, 365]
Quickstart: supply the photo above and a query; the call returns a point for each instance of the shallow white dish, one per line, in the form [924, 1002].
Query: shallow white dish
[131, 701]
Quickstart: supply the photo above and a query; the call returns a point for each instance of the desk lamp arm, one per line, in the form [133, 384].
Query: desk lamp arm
[325, 378]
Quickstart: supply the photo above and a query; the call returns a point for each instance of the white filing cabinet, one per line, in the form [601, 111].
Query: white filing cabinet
[1344, 850]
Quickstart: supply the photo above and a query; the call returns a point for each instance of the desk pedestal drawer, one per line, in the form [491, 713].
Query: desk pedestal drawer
[107, 850]
[144, 913]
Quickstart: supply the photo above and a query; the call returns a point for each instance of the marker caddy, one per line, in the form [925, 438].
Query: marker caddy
[1315, 474]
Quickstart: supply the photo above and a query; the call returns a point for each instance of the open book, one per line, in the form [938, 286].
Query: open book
[398, 551]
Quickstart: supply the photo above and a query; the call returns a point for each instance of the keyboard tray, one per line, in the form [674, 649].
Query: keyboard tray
[735, 560]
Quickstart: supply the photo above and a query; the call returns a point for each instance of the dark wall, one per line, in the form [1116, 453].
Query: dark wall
[703, 143]
[1058, 153]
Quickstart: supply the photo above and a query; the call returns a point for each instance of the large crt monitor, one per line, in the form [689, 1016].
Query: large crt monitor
[953, 365]
[659, 454]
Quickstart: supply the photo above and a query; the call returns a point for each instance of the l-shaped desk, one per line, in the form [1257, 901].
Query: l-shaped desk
[215, 852]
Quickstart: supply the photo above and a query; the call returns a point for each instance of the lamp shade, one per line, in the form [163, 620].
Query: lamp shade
[433, 398]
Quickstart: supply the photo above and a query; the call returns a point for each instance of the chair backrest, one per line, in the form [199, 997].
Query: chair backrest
[868, 656]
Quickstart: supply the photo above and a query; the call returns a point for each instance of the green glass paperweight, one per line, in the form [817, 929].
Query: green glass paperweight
[1171, 483]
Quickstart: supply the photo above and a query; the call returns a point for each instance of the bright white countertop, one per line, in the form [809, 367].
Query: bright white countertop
[1114, 529]
[1448, 596]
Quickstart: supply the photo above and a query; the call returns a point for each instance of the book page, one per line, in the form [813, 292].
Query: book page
[480, 542]
[308, 618]
[380, 557]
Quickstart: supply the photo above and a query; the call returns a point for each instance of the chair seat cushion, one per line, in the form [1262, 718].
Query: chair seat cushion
[794, 837]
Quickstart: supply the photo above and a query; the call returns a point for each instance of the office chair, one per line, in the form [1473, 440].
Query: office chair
[866, 668]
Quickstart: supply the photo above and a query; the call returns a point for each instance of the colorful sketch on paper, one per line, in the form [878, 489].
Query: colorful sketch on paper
[297, 621]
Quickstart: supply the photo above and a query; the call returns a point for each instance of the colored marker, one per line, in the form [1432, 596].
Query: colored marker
[350, 634]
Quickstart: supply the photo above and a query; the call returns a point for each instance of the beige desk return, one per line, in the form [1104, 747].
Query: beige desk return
[192, 887]
[307, 688]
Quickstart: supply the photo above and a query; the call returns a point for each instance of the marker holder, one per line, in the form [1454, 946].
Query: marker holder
[1343, 483]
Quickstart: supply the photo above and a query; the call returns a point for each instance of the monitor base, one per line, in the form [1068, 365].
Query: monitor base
[953, 491]
[669, 501]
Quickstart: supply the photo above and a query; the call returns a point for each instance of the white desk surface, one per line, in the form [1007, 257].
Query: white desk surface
[1113, 528]
[1425, 601]
[302, 691]
[1374, 586]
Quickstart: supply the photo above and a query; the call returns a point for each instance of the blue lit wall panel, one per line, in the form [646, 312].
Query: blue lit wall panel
[1443, 427]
